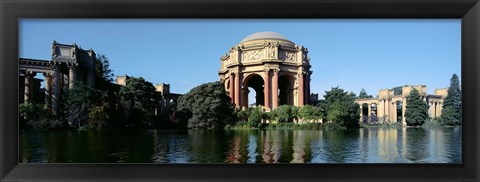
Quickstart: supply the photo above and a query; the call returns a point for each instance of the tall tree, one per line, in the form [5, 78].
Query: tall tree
[209, 104]
[341, 108]
[104, 75]
[452, 106]
[416, 110]
[78, 101]
[363, 94]
[102, 66]
[138, 97]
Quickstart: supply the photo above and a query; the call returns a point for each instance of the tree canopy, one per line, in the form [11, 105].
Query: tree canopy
[209, 104]
[363, 94]
[452, 106]
[341, 108]
[77, 102]
[139, 99]
[416, 110]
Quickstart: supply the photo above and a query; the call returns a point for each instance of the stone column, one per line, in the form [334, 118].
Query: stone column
[267, 89]
[404, 107]
[56, 88]
[361, 113]
[28, 86]
[301, 91]
[71, 75]
[232, 87]
[48, 89]
[440, 108]
[245, 97]
[394, 111]
[307, 89]
[432, 109]
[237, 90]
[387, 103]
[275, 89]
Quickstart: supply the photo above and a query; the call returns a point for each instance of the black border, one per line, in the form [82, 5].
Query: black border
[11, 11]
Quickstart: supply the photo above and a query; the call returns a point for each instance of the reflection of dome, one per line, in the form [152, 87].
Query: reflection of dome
[265, 35]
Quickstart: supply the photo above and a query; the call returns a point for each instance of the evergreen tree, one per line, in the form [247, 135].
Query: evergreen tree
[341, 108]
[363, 94]
[417, 110]
[210, 106]
[452, 106]
[138, 97]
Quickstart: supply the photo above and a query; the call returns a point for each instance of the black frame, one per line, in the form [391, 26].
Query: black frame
[467, 10]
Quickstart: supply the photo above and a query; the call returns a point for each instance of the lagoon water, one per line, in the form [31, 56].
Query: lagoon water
[365, 145]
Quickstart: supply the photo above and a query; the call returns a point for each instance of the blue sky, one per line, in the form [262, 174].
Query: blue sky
[352, 54]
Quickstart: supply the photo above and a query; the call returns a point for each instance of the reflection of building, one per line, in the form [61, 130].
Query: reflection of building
[69, 64]
[166, 99]
[275, 67]
[390, 105]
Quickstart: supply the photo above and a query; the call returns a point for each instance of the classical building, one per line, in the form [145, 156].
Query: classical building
[275, 67]
[390, 105]
[166, 99]
[69, 65]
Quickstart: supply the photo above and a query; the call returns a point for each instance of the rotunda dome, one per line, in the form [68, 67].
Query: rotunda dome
[264, 35]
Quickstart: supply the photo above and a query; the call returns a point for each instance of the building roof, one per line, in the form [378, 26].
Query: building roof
[265, 35]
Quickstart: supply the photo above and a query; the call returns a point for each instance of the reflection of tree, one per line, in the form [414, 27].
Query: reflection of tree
[416, 143]
[340, 146]
[208, 146]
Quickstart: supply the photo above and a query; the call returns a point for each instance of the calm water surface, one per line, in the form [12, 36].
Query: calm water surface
[366, 145]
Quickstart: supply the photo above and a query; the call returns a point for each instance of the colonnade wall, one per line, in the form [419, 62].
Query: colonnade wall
[69, 65]
[390, 106]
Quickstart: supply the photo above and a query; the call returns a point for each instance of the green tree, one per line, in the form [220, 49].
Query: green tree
[285, 113]
[363, 94]
[452, 106]
[255, 117]
[309, 112]
[77, 102]
[138, 98]
[102, 68]
[209, 104]
[242, 115]
[416, 110]
[341, 108]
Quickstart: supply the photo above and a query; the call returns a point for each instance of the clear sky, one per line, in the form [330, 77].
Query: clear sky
[352, 54]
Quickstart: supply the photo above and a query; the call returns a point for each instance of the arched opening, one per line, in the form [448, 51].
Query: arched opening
[285, 87]
[255, 94]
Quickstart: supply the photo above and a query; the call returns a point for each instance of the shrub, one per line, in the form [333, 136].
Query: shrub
[309, 112]
[38, 117]
[285, 113]
[255, 117]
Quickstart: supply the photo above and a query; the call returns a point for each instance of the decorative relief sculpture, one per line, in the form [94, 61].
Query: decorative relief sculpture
[251, 56]
[287, 56]
[271, 50]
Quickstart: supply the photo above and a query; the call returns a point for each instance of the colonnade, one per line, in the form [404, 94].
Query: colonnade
[387, 109]
[239, 91]
[53, 84]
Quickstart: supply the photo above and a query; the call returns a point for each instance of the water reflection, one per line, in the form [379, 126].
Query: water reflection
[367, 145]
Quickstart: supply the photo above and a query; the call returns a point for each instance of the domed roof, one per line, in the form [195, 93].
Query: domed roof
[264, 35]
